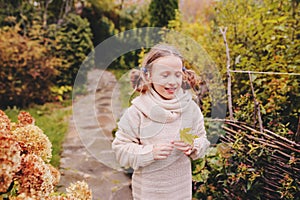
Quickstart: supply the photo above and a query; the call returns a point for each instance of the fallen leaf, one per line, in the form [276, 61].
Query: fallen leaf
[186, 136]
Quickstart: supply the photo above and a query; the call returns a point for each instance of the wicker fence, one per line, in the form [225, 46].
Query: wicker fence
[280, 159]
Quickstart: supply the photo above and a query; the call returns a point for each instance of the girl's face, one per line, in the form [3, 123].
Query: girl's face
[166, 76]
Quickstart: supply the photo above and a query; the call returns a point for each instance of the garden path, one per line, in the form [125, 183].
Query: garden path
[77, 163]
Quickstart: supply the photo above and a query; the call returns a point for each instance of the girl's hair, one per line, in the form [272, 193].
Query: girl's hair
[139, 77]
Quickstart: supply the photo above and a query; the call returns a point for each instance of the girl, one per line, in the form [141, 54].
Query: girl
[148, 136]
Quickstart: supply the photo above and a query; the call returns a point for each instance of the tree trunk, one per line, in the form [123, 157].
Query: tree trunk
[45, 15]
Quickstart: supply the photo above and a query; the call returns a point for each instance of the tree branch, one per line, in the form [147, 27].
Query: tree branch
[256, 105]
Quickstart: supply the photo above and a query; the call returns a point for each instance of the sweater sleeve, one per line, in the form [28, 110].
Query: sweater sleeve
[128, 149]
[201, 143]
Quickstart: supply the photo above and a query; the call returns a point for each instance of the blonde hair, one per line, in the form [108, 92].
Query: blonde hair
[140, 77]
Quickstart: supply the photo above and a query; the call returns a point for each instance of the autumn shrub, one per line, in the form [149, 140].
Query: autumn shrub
[223, 174]
[25, 171]
[262, 36]
[28, 69]
[40, 64]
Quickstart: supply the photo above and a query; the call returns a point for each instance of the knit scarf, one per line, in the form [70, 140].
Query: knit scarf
[160, 110]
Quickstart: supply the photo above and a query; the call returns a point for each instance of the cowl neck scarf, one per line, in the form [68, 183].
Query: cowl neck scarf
[153, 106]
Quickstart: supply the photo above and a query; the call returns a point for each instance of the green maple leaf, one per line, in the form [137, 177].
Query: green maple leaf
[186, 136]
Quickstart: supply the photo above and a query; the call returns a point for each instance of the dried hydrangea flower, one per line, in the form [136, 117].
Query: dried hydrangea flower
[79, 191]
[35, 178]
[10, 159]
[55, 174]
[4, 123]
[24, 118]
[32, 140]
[58, 198]
[13, 126]
[22, 196]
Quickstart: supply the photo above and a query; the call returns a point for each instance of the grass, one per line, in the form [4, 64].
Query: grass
[52, 118]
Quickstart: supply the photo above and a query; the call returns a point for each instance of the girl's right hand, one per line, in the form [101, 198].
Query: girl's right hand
[162, 151]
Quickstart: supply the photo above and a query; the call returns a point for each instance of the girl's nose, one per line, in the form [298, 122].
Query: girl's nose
[172, 80]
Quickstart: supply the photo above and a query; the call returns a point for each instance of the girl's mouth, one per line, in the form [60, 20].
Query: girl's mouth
[170, 90]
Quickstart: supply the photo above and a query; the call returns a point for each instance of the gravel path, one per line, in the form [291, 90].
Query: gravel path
[87, 153]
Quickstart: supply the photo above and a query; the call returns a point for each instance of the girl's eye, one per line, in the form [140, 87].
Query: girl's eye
[164, 75]
[178, 75]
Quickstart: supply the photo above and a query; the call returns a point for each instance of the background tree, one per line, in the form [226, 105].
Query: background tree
[73, 45]
[109, 18]
[162, 12]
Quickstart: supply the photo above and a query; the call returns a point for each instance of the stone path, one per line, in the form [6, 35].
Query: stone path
[88, 143]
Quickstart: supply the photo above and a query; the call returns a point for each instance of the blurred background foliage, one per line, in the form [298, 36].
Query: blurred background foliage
[262, 36]
[43, 43]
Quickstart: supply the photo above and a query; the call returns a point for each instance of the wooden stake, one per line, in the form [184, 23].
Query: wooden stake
[228, 74]
[256, 104]
[297, 136]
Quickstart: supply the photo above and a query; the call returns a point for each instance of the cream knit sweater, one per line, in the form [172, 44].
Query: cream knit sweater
[151, 120]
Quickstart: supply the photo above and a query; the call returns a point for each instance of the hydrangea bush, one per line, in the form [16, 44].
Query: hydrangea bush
[25, 171]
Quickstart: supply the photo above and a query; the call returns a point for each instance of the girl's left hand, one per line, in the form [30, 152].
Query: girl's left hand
[182, 146]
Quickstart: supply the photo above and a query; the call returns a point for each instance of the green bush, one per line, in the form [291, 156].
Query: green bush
[73, 44]
[162, 13]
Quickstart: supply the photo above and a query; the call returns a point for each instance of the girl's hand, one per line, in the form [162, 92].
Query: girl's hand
[162, 151]
[187, 149]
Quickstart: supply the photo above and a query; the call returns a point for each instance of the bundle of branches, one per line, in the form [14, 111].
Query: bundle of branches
[276, 157]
